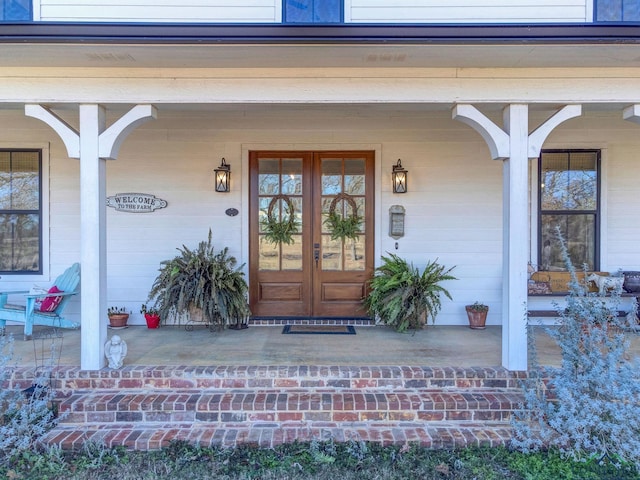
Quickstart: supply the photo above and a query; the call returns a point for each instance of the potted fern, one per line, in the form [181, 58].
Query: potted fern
[477, 315]
[403, 297]
[201, 284]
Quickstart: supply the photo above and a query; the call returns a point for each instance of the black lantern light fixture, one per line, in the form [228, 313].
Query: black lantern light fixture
[399, 178]
[223, 176]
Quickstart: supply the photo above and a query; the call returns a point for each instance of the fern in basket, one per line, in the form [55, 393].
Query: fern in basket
[402, 297]
[202, 279]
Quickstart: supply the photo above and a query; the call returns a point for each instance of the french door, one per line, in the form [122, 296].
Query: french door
[300, 265]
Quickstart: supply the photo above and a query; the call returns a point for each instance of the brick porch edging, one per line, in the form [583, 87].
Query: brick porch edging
[146, 407]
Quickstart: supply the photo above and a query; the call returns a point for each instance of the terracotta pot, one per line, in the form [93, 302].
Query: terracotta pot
[477, 320]
[118, 319]
[153, 321]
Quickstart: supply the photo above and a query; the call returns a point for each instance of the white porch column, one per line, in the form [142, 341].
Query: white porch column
[92, 145]
[514, 146]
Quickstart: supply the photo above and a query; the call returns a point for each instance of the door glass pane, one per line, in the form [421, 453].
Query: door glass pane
[279, 201]
[354, 255]
[331, 176]
[331, 253]
[292, 176]
[354, 176]
[292, 254]
[269, 177]
[348, 176]
[268, 256]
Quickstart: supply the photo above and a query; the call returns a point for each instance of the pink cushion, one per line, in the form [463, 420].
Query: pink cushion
[49, 304]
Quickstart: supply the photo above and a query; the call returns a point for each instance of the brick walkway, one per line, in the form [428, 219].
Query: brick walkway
[146, 407]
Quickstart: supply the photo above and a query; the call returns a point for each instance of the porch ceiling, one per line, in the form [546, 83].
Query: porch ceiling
[378, 55]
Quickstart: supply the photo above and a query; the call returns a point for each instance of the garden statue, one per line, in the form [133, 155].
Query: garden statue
[115, 350]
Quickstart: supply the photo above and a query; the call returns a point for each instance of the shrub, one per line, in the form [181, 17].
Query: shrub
[25, 415]
[590, 408]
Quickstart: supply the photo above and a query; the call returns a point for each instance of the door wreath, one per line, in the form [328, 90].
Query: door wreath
[344, 227]
[280, 231]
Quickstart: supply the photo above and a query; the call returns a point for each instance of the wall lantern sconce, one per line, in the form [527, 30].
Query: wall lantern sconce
[223, 176]
[399, 178]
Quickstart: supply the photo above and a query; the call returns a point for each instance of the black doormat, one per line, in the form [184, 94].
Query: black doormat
[319, 330]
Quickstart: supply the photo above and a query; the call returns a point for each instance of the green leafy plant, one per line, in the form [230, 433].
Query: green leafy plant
[344, 227]
[117, 311]
[148, 310]
[279, 231]
[205, 280]
[404, 298]
[478, 307]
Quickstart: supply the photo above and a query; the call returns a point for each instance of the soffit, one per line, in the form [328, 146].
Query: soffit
[370, 55]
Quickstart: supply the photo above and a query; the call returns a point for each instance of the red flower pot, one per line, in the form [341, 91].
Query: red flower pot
[153, 321]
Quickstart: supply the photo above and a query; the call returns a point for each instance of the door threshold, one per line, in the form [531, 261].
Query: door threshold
[356, 321]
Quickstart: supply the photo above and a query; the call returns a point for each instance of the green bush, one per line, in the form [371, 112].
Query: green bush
[402, 297]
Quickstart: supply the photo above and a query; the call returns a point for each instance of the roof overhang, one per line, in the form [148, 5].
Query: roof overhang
[44, 44]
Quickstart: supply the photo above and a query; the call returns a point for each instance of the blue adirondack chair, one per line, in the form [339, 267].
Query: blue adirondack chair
[30, 315]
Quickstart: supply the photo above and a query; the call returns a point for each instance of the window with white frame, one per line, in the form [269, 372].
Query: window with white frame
[20, 211]
[617, 11]
[313, 11]
[569, 201]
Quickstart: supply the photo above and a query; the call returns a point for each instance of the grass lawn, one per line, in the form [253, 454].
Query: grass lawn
[315, 460]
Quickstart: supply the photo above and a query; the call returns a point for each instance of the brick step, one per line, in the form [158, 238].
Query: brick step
[143, 436]
[69, 379]
[284, 407]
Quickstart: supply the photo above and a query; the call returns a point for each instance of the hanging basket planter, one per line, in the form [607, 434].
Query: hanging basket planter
[281, 231]
[341, 227]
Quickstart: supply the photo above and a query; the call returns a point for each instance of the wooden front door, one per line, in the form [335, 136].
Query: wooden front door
[308, 271]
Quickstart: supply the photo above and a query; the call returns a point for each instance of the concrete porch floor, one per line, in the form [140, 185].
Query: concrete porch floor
[434, 346]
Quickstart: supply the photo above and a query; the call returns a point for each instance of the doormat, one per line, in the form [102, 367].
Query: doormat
[319, 330]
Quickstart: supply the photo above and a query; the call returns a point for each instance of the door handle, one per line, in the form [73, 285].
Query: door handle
[316, 253]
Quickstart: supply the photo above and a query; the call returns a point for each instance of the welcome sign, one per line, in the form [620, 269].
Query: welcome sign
[135, 202]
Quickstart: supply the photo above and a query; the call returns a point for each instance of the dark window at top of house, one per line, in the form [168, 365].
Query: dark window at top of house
[617, 11]
[15, 10]
[313, 11]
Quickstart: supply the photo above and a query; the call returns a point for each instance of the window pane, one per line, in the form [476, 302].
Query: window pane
[15, 10]
[19, 243]
[579, 232]
[20, 211]
[618, 10]
[313, 11]
[569, 181]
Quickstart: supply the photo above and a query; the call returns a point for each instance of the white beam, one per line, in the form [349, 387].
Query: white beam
[497, 140]
[540, 134]
[68, 134]
[632, 113]
[112, 138]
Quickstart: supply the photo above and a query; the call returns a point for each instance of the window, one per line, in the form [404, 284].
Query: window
[313, 11]
[617, 10]
[569, 200]
[20, 211]
[15, 10]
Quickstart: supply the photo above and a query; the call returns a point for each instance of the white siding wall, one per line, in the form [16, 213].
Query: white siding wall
[356, 11]
[454, 204]
[159, 10]
[467, 11]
